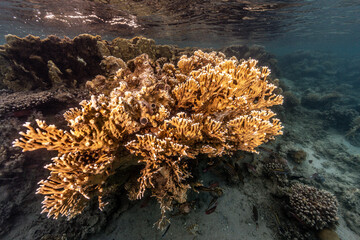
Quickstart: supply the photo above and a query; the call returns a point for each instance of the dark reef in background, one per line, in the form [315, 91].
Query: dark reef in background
[31, 63]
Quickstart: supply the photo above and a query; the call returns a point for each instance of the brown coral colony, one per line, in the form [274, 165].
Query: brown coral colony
[313, 207]
[164, 115]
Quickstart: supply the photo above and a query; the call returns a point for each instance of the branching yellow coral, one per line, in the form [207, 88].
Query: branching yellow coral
[166, 116]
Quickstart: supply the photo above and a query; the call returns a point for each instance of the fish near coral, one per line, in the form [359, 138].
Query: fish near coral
[165, 117]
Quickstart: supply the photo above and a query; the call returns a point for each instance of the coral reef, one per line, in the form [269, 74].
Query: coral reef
[340, 117]
[355, 126]
[257, 52]
[297, 155]
[353, 134]
[32, 63]
[313, 207]
[43, 64]
[305, 65]
[16, 103]
[318, 101]
[290, 100]
[165, 116]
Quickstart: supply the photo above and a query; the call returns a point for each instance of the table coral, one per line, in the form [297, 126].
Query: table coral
[165, 115]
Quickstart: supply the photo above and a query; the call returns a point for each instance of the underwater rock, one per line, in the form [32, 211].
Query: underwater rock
[54, 74]
[38, 64]
[303, 64]
[16, 102]
[31, 63]
[352, 220]
[353, 134]
[297, 156]
[5, 69]
[54, 237]
[328, 234]
[318, 101]
[256, 52]
[110, 65]
[127, 49]
[340, 117]
[290, 100]
[21, 104]
[104, 84]
[12, 165]
[275, 166]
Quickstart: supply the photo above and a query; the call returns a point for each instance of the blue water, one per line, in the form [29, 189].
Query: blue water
[282, 26]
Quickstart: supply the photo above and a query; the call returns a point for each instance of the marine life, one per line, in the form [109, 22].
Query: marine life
[194, 229]
[255, 215]
[281, 171]
[232, 171]
[212, 208]
[214, 185]
[210, 105]
[318, 177]
[312, 207]
[216, 191]
[21, 113]
[166, 230]
[295, 177]
[185, 208]
[213, 202]
[128, 137]
[251, 168]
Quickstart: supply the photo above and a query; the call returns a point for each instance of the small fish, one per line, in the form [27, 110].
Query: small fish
[251, 168]
[21, 113]
[280, 171]
[204, 189]
[211, 210]
[318, 177]
[280, 228]
[230, 168]
[293, 177]
[255, 216]
[212, 206]
[145, 202]
[166, 230]
[213, 202]
[214, 185]
[210, 166]
[217, 192]
[232, 172]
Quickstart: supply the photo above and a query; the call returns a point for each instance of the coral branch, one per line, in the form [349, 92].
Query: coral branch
[165, 115]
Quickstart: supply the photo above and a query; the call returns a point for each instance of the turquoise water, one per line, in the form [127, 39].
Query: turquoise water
[329, 25]
[316, 44]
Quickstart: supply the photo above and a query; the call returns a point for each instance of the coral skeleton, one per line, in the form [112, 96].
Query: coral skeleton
[166, 116]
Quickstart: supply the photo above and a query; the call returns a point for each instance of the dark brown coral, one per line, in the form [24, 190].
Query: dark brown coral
[313, 207]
